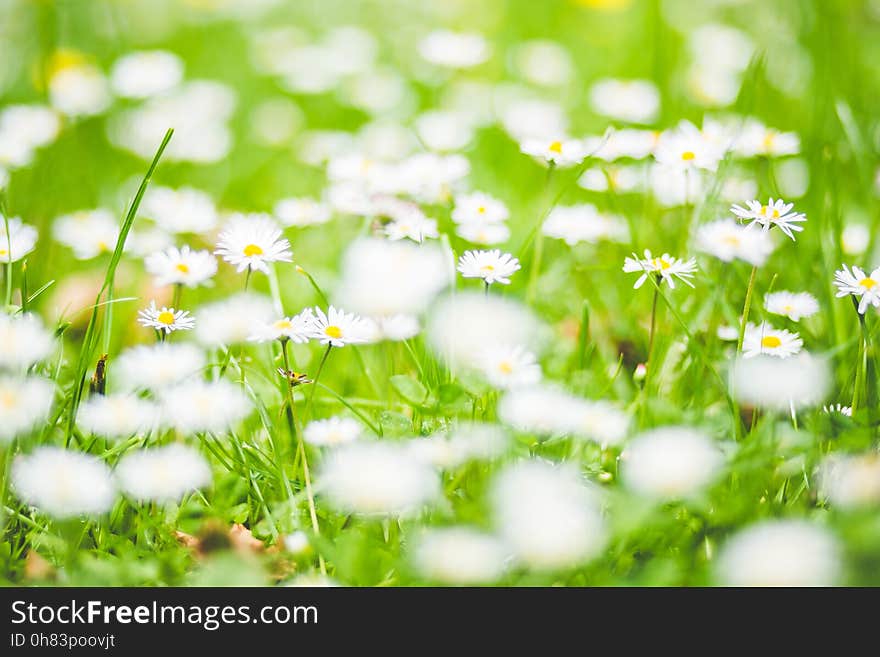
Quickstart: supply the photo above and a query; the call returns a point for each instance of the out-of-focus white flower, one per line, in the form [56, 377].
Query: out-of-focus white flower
[465, 442]
[251, 242]
[600, 421]
[757, 139]
[686, 148]
[583, 223]
[628, 143]
[459, 556]
[666, 267]
[674, 187]
[297, 329]
[162, 474]
[156, 367]
[302, 212]
[117, 415]
[181, 266]
[23, 341]
[63, 483]
[780, 553]
[332, 431]
[276, 121]
[864, 287]
[852, 480]
[413, 225]
[547, 515]
[510, 367]
[727, 240]
[544, 62]
[24, 129]
[540, 409]
[232, 320]
[443, 130]
[144, 74]
[183, 210]
[454, 49]
[397, 328]
[534, 119]
[633, 101]
[24, 405]
[620, 179]
[17, 239]
[203, 406]
[165, 319]
[377, 479]
[382, 278]
[671, 462]
[461, 327]
[297, 543]
[560, 151]
[80, 90]
[484, 233]
[780, 384]
[855, 239]
[89, 233]
[794, 305]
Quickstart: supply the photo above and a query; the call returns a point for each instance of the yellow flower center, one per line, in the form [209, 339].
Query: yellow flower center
[8, 399]
[282, 324]
[769, 138]
[333, 332]
[182, 268]
[867, 283]
[487, 268]
[555, 147]
[770, 341]
[687, 156]
[505, 367]
[102, 246]
[733, 240]
[165, 317]
[660, 263]
[481, 209]
[253, 250]
[3, 252]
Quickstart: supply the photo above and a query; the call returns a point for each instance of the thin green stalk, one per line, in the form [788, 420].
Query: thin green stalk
[308, 411]
[745, 314]
[862, 367]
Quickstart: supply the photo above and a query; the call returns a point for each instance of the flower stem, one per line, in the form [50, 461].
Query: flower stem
[178, 293]
[862, 365]
[746, 307]
[308, 411]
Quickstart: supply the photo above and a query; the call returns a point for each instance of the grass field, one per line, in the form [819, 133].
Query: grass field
[244, 341]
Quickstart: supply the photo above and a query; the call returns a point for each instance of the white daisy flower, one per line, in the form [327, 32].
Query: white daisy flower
[252, 241]
[79, 90]
[157, 366]
[583, 223]
[297, 543]
[89, 233]
[397, 328]
[63, 483]
[764, 339]
[165, 319]
[837, 408]
[634, 101]
[444, 130]
[23, 341]
[464, 443]
[666, 267]
[670, 462]
[414, 225]
[24, 405]
[483, 232]
[539, 409]
[727, 240]
[203, 406]
[510, 367]
[600, 421]
[459, 556]
[332, 431]
[851, 481]
[145, 74]
[183, 210]
[231, 321]
[181, 266]
[116, 416]
[774, 213]
[787, 553]
[478, 207]
[377, 478]
[297, 329]
[781, 384]
[685, 148]
[794, 305]
[757, 139]
[162, 474]
[17, 239]
[491, 266]
[855, 239]
[339, 328]
[454, 49]
[561, 152]
[862, 286]
[302, 212]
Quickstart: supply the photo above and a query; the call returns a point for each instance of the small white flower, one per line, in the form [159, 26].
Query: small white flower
[414, 225]
[339, 328]
[851, 481]
[183, 210]
[232, 320]
[600, 421]
[117, 416]
[157, 366]
[466, 442]
[79, 90]
[666, 267]
[837, 408]
[181, 266]
[165, 319]
[764, 339]
[297, 329]
[583, 223]
[671, 462]
[89, 233]
[454, 49]
[162, 474]
[252, 241]
[23, 341]
[63, 483]
[780, 553]
[24, 405]
[862, 286]
[561, 152]
[727, 240]
[780, 384]
[483, 232]
[203, 406]
[480, 208]
[685, 148]
[332, 431]
[491, 266]
[460, 556]
[145, 74]
[757, 139]
[774, 213]
[794, 305]
[634, 101]
[16, 241]
[302, 212]
[397, 328]
[855, 239]
[509, 367]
